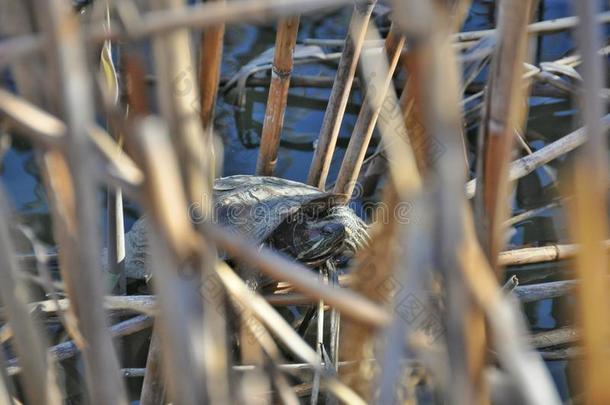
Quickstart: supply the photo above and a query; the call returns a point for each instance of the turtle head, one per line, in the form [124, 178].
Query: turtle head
[309, 239]
[313, 239]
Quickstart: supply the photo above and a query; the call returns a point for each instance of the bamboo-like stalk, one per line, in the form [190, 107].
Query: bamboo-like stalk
[178, 95]
[78, 226]
[365, 124]
[350, 304]
[153, 388]
[503, 114]
[29, 344]
[50, 133]
[465, 334]
[202, 15]
[172, 241]
[555, 337]
[527, 164]
[379, 256]
[586, 225]
[549, 253]
[69, 349]
[339, 94]
[543, 291]
[278, 93]
[272, 320]
[210, 60]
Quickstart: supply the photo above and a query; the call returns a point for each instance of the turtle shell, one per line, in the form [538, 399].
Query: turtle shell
[253, 206]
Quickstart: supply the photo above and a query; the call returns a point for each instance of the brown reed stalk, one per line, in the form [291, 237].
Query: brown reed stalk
[49, 133]
[365, 124]
[153, 387]
[463, 319]
[504, 113]
[202, 15]
[179, 98]
[410, 103]
[171, 242]
[586, 224]
[76, 212]
[278, 94]
[371, 273]
[506, 324]
[339, 94]
[527, 164]
[209, 69]
[38, 380]
[350, 304]
[210, 59]
[375, 265]
[283, 331]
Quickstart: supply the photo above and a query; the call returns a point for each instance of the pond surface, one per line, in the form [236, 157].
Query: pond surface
[240, 129]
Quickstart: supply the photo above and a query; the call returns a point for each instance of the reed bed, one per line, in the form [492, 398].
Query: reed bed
[432, 309]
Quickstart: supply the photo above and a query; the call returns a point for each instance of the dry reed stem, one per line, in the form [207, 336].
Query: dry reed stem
[274, 322]
[153, 387]
[504, 101]
[172, 242]
[412, 109]
[69, 349]
[178, 98]
[78, 232]
[541, 27]
[279, 268]
[209, 70]
[555, 337]
[49, 132]
[405, 180]
[278, 94]
[527, 164]
[210, 60]
[586, 224]
[370, 273]
[365, 124]
[463, 319]
[39, 384]
[505, 322]
[161, 22]
[542, 291]
[339, 94]
[517, 257]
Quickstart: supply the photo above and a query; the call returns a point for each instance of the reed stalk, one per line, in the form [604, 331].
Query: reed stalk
[39, 385]
[339, 94]
[527, 164]
[365, 124]
[172, 241]
[210, 60]
[76, 210]
[503, 115]
[591, 185]
[153, 387]
[285, 42]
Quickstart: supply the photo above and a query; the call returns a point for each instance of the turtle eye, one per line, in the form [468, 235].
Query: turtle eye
[331, 229]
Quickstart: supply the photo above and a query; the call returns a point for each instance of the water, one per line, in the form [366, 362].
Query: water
[240, 129]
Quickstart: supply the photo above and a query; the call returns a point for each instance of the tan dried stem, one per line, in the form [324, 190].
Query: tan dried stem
[278, 95]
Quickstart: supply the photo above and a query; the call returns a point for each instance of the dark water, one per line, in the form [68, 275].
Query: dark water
[240, 129]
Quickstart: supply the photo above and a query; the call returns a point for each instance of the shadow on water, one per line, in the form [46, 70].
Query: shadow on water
[240, 130]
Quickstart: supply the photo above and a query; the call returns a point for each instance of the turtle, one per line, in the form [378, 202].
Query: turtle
[301, 221]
